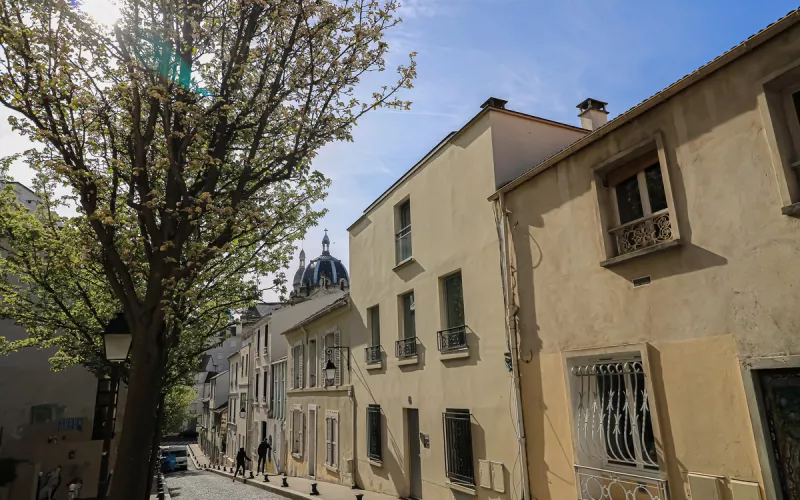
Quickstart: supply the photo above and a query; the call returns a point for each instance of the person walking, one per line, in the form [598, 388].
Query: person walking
[263, 448]
[241, 457]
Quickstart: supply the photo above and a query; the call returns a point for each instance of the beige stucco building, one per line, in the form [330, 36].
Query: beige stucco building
[420, 402]
[653, 266]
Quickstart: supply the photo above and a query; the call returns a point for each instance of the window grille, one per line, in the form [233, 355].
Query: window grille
[374, 432]
[458, 446]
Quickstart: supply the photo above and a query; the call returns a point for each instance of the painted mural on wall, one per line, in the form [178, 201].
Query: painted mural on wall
[48, 484]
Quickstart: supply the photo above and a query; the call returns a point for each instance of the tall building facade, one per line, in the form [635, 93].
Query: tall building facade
[653, 274]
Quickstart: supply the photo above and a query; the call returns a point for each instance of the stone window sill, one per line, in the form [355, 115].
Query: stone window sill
[375, 366]
[460, 354]
[407, 361]
[613, 261]
[374, 463]
[403, 263]
[461, 488]
[792, 210]
[331, 468]
[297, 456]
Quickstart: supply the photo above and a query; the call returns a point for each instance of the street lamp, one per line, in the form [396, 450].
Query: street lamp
[117, 339]
[330, 367]
[116, 343]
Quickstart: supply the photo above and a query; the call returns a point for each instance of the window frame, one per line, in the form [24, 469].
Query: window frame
[606, 201]
[638, 353]
[454, 475]
[403, 230]
[446, 320]
[332, 435]
[374, 318]
[412, 314]
[296, 431]
[313, 369]
[374, 450]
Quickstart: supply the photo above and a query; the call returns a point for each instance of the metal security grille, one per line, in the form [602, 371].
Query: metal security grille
[458, 446]
[613, 414]
[374, 432]
[452, 339]
[373, 354]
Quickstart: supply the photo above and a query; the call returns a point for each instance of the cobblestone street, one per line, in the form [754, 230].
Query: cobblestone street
[198, 485]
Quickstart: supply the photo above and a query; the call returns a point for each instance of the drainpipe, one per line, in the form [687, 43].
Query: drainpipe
[511, 334]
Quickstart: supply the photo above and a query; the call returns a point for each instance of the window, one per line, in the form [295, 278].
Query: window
[296, 432]
[458, 446]
[233, 331]
[258, 343]
[409, 322]
[263, 431]
[266, 384]
[373, 352]
[638, 212]
[255, 393]
[332, 439]
[374, 433]
[312, 363]
[297, 366]
[454, 301]
[403, 234]
[612, 413]
[454, 335]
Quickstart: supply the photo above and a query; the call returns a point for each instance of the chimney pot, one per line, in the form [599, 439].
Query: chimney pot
[494, 102]
[593, 114]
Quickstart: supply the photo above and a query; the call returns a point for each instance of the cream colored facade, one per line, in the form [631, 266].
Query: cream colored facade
[717, 310]
[452, 230]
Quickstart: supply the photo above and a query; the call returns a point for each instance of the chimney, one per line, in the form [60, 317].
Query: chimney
[494, 102]
[593, 114]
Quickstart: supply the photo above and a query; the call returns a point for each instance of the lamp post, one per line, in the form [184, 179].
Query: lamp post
[116, 344]
[330, 367]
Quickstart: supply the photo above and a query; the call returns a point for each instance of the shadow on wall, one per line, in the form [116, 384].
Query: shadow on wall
[676, 470]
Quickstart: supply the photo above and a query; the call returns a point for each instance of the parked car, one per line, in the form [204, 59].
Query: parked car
[174, 458]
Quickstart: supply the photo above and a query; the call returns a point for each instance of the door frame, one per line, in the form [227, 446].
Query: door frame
[312, 443]
[751, 369]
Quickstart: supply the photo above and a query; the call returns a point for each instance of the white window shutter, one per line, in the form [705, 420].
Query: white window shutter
[338, 377]
[328, 440]
[302, 432]
[291, 369]
[300, 367]
[291, 431]
[335, 442]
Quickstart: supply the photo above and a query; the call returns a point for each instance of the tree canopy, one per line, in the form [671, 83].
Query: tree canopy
[185, 135]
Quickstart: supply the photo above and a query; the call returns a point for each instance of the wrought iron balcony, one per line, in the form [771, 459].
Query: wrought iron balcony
[452, 339]
[601, 484]
[403, 242]
[372, 355]
[406, 348]
[643, 232]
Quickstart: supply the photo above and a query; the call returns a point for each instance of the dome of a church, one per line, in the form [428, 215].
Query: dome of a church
[324, 272]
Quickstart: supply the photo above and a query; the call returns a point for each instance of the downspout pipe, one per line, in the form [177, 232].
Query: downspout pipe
[511, 333]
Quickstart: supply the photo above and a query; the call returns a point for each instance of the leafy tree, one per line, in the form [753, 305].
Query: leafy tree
[176, 407]
[185, 135]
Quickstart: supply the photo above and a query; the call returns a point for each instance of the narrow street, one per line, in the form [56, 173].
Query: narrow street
[198, 485]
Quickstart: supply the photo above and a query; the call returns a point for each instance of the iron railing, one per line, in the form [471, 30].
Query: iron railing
[601, 484]
[452, 339]
[403, 242]
[643, 232]
[458, 446]
[372, 355]
[374, 433]
[406, 348]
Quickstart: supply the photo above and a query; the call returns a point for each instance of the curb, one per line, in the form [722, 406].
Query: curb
[194, 458]
[285, 492]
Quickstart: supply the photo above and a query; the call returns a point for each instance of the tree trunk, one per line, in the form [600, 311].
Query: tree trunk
[139, 426]
[154, 447]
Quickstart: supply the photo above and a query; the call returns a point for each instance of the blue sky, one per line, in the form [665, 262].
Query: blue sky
[544, 57]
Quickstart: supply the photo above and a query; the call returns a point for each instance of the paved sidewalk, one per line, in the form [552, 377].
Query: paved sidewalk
[198, 457]
[300, 487]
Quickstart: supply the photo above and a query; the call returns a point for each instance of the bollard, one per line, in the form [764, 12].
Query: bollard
[314, 491]
[359, 496]
[285, 483]
[266, 478]
[251, 475]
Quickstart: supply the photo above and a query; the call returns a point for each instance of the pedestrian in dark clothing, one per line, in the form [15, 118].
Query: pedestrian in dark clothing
[241, 457]
[263, 448]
